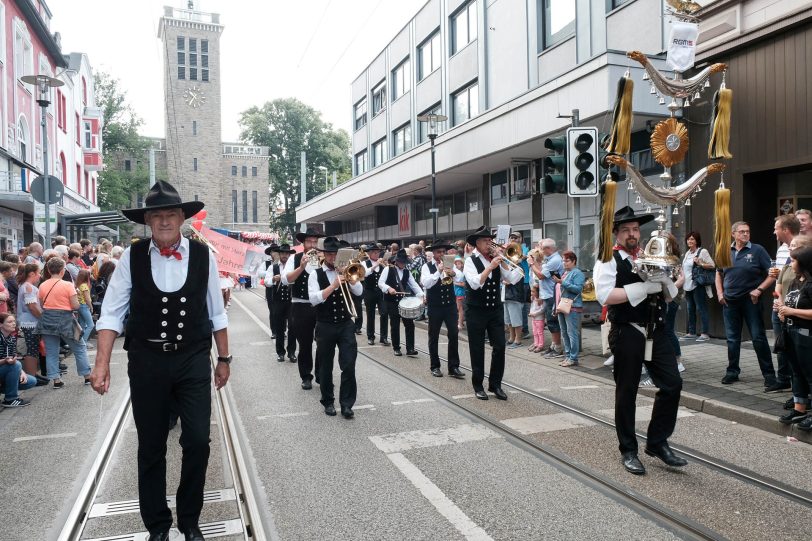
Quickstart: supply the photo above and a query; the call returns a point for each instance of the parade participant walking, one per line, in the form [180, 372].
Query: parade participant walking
[270, 251]
[442, 309]
[302, 313]
[395, 282]
[280, 318]
[334, 329]
[637, 312]
[373, 296]
[484, 271]
[170, 287]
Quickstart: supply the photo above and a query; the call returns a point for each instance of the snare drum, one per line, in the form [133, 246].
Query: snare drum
[410, 307]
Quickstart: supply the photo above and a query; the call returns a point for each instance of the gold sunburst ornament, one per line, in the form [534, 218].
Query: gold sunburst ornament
[669, 142]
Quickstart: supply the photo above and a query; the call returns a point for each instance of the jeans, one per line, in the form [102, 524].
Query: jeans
[670, 333]
[10, 376]
[551, 320]
[86, 321]
[784, 375]
[79, 349]
[570, 334]
[742, 311]
[697, 299]
[525, 314]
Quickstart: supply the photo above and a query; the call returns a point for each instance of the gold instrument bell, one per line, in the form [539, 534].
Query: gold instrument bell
[657, 258]
[448, 270]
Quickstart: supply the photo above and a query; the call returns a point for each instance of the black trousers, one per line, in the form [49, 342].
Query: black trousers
[328, 337]
[359, 321]
[482, 323]
[374, 298]
[303, 321]
[439, 315]
[160, 382]
[394, 325]
[280, 323]
[269, 302]
[628, 346]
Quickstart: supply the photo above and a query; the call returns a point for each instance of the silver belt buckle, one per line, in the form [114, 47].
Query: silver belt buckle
[169, 346]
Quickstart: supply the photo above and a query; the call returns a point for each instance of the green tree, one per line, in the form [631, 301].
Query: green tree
[288, 127]
[120, 138]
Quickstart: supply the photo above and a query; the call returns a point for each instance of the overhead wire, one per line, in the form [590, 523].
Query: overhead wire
[315, 31]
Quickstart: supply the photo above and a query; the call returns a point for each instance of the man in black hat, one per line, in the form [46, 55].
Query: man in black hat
[442, 308]
[270, 250]
[280, 316]
[637, 312]
[373, 297]
[484, 272]
[172, 315]
[396, 282]
[334, 328]
[302, 313]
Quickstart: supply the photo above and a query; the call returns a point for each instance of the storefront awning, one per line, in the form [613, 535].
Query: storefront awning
[108, 218]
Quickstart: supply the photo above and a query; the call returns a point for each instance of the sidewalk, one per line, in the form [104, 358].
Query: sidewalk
[743, 402]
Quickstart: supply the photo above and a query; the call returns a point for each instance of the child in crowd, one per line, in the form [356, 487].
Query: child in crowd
[226, 283]
[85, 304]
[241, 283]
[459, 293]
[537, 317]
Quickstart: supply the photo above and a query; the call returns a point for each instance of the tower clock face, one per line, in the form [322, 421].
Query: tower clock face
[194, 96]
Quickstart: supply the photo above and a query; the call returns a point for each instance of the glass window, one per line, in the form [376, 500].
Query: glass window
[128, 165]
[181, 58]
[204, 46]
[181, 72]
[472, 197]
[401, 79]
[422, 127]
[245, 170]
[361, 164]
[192, 45]
[361, 114]
[181, 43]
[521, 182]
[253, 171]
[204, 60]
[459, 203]
[194, 127]
[558, 21]
[499, 187]
[378, 99]
[194, 162]
[254, 205]
[428, 56]
[379, 152]
[559, 232]
[402, 138]
[463, 27]
[192, 59]
[245, 206]
[586, 254]
[233, 170]
[193, 74]
[205, 76]
[466, 104]
[234, 206]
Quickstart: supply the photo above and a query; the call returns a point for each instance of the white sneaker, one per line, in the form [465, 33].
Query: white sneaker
[610, 361]
[681, 367]
[646, 382]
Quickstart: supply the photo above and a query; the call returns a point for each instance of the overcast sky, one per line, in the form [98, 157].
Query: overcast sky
[308, 49]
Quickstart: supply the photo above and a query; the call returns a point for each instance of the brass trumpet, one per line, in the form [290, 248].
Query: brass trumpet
[353, 273]
[513, 255]
[448, 270]
[362, 255]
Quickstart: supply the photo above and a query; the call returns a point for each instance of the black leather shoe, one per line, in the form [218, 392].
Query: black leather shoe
[371, 341]
[632, 463]
[307, 384]
[347, 412]
[411, 353]
[729, 378]
[280, 358]
[664, 453]
[194, 534]
[397, 353]
[456, 373]
[384, 342]
[160, 536]
[482, 395]
[292, 358]
[436, 373]
[499, 393]
[358, 331]
[330, 410]
[273, 337]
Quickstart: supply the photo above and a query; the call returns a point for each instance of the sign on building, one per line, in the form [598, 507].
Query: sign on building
[405, 218]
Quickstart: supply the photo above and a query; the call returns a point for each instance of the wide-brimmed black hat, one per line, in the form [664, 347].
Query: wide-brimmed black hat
[282, 249]
[400, 256]
[271, 248]
[331, 244]
[309, 233]
[483, 232]
[162, 196]
[344, 244]
[626, 215]
[372, 246]
[439, 245]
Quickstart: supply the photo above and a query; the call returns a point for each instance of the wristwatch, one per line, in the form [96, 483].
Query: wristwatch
[760, 289]
[226, 360]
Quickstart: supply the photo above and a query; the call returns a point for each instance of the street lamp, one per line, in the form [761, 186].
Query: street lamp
[44, 83]
[433, 121]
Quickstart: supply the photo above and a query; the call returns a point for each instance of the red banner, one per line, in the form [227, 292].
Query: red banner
[233, 256]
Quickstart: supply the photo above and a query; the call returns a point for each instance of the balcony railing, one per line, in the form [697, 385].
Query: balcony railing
[192, 15]
[9, 182]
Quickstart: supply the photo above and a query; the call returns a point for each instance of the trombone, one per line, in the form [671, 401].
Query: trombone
[513, 255]
[353, 273]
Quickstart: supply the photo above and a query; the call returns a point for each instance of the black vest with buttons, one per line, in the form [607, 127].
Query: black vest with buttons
[281, 293]
[332, 310]
[180, 316]
[371, 278]
[439, 294]
[299, 287]
[488, 296]
[625, 312]
[392, 281]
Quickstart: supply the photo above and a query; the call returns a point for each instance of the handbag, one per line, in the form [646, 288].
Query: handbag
[564, 306]
[78, 331]
[702, 276]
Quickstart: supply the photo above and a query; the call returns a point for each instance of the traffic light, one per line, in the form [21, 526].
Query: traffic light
[582, 173]
[555, 166]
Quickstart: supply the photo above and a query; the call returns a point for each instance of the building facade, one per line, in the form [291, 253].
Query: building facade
[199, 164]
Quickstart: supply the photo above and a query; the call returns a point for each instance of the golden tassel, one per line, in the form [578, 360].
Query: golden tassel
[620, 136]
[722, 232]
[607, 218]
[719, 146]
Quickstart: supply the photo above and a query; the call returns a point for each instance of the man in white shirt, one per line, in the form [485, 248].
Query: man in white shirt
[334, 329]
[172, 315]
[484, 272]
[395, 283]
[442, 308]
[787, 227]
[805, 217]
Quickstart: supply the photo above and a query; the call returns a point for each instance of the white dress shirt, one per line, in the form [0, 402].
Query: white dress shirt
[289, 267]
[169, 275]
[512, 275]
[604, 276]
[399, 273]
[428, 280]
[315, 292]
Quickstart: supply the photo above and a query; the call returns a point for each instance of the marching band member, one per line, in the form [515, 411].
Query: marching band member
[302, 313]
[442, 308]
[270, 250]
[373, 296]
[484, 271]
[399, 280]
[280, 316]
[334, 328]
[637, 312]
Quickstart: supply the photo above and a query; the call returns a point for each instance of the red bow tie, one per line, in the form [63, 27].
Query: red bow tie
[634, 253]
[171, 252]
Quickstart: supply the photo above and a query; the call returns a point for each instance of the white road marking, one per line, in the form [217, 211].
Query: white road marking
[45, 437]
[575, 387]
[415, 401]
[543, 390]
[418, 439]
[258, 321]
[364, 407]
[284, 415]
[546, 423]
[643, 413]
[266, 343]
[439, 500]
[459, 396]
